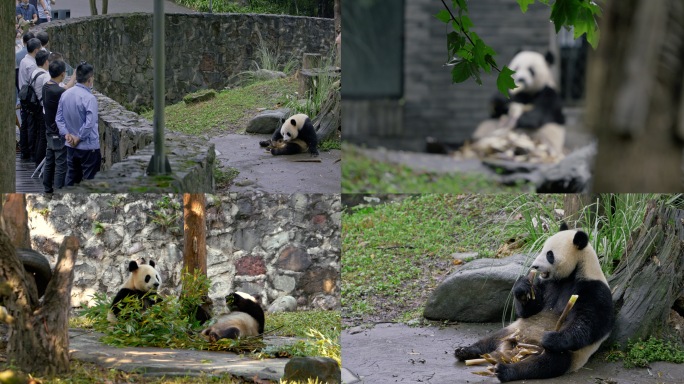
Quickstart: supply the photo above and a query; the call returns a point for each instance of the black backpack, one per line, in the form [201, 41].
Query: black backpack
[27, 96]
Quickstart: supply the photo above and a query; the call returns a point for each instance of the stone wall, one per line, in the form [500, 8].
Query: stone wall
[267, 244]
[202, 50]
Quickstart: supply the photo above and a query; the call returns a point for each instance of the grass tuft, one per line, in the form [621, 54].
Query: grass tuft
[641, 353]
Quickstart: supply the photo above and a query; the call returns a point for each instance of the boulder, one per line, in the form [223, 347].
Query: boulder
[570, 175]
[267, 121]
[283, 304]
[302, 369]
[477, 292]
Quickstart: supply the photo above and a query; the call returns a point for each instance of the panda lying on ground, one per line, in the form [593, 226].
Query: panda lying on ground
[297, 135]
[567, 265]
[142, 283]
[245, 319]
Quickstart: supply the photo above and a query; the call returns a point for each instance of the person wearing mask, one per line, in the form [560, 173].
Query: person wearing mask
[77, 121]
[55, 168]
[27, 12]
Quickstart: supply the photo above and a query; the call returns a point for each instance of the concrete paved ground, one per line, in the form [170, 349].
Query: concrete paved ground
[80, 8]
[84, 346]
[259, 170]
[397, 353]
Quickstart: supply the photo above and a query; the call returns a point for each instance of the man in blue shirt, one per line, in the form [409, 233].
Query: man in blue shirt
[27, 11]
[77, 122]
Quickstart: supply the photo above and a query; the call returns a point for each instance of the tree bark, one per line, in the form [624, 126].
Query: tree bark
[649, 277]
[7, 89]
[105, 5]
[195, 232]
[338, 31]
[574, 207]
[93, 7]
[16, 220]
[633, 88]
[39, 338]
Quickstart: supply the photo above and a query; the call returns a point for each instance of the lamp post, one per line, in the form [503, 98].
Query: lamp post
[159, 164]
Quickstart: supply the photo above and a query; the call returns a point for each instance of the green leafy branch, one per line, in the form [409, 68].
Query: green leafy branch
[469, 54]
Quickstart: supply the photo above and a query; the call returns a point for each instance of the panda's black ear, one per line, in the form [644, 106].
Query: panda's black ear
[132, 266]
[563, 226]
[152, 263]
[293, 122]
[549, 58]
[580, 240]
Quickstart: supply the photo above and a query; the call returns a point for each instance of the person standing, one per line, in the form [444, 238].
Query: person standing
[77, 121]
[41, 76]
[26, 130]
[27, 11]
[55, 169]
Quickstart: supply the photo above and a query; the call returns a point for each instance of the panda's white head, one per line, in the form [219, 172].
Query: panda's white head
[565, 252]
[292, 126]
[532, 72]
[144, 277]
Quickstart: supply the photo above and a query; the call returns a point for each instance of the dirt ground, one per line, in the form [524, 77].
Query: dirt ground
[262, 171]
[397, 353]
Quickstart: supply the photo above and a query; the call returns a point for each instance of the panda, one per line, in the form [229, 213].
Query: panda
[535, 107]
[245, 319]
[142, 283]
[567, 265]
[296, 135]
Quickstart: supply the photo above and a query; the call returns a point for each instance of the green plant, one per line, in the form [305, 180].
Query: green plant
[167, 214]
[117, 202]
[330, 144]
[224, 176]
[44, 212]
[195, 287]
[641, 353]
[98, 228]
[322, 85]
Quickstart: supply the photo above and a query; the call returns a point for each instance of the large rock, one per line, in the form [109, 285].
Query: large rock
[267, 121]
[477, 292]
[303, 369]
[570, 175]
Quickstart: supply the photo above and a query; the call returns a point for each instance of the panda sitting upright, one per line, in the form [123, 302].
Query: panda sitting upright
[142, 283]
[246, 318]
[297, 135]
[567, 265]
[535, 107]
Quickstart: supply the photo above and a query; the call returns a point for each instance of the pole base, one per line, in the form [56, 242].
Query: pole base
[151, 168]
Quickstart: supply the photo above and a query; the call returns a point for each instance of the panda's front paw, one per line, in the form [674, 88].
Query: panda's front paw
[504, 372]
[554, 341]
[265, 143]
[522, 289]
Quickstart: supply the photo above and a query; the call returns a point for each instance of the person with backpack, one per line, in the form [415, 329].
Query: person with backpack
[77, 122]
[41, 76]
[26, 68]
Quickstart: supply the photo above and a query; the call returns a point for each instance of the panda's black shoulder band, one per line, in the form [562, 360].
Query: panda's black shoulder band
[580, 240]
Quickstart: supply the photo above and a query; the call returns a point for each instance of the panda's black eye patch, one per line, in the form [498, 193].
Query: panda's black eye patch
[532, 71]
[549, 257]
[147, 278]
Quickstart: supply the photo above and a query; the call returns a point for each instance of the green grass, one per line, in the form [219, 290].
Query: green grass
[255, 6]
[361, 174]
[641, 353]
[395, 254]
[230, 110]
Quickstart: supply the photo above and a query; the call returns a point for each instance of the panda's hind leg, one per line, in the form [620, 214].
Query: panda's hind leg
[485, 345]
[287, 149]
[544, 366]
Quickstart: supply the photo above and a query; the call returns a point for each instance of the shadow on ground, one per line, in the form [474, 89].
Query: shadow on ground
[259, 170]
[397, 353]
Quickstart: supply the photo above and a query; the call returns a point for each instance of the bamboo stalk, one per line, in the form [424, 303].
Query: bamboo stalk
[476, 361]
[567, 309]
[533, 274]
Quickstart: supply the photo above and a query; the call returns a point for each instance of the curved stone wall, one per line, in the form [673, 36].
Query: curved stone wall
[202, 50]
[269, 244]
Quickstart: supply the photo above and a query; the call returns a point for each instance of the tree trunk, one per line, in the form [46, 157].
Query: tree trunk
[7, 113]
[39, 338]
[574, 207]
[16, 220]
[338, 31]
[93, 7]
[633, 90]
[649, 277]
[105, 5]
[329, 119]
[195, 232]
